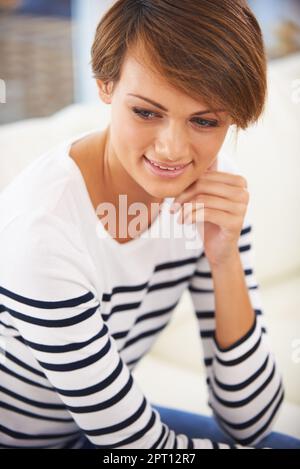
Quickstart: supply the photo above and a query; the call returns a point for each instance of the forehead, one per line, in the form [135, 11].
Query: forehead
[139, 77]
[136, 68]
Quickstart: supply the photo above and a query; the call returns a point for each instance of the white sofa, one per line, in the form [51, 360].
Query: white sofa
[268, 155]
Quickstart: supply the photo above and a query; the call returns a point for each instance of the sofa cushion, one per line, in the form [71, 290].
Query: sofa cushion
[180, 388]
[268, 155]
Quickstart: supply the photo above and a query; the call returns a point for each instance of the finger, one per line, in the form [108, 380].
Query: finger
[218, 217]
[218, 203]
[188, 208]
[227, 178]
[235, 194]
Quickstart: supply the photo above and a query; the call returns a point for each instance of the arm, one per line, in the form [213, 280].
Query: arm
[244, 384]
[234, 312]
[58, 314]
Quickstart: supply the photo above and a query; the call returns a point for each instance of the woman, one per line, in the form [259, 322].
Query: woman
[81, 303]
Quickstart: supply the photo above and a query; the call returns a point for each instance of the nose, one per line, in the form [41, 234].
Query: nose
[173, 144]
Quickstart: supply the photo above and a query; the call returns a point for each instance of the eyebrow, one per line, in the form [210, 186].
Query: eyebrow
[160, 106]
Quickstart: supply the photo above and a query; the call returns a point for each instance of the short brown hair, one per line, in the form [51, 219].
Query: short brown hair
[212, 50]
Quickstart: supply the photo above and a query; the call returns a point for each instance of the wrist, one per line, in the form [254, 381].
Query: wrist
[233, 259]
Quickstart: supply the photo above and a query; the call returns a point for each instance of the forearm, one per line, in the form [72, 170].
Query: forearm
[244, 383]
[233, 311]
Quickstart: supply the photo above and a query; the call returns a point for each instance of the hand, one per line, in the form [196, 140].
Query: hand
[224, 199]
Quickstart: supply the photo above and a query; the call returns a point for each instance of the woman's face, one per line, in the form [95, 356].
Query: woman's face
[180, 134]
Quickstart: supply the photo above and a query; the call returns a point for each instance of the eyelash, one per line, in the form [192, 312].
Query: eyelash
[139, 112]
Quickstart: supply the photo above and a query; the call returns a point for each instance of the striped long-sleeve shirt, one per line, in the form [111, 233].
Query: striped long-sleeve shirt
[78, 310]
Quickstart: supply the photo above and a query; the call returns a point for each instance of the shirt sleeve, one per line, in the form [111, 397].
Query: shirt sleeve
[46, 289]
[245, 388]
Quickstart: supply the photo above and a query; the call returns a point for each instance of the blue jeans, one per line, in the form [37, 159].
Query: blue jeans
[202, 426]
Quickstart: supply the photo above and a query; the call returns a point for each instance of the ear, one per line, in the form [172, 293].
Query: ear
[104, 91]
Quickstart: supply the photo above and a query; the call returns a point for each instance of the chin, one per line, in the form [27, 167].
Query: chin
[163, 194]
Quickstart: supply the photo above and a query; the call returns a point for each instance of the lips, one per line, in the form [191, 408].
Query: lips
[165, 173]
[166, 165]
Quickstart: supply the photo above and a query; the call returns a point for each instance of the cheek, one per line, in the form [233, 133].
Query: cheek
[130, 143]
[136, 138]
[123, 136]
[210, 144]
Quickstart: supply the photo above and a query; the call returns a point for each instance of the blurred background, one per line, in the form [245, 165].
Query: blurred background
[45, 49]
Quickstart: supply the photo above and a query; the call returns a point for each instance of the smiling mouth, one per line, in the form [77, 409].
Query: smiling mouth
[165, 166]
[161, 171]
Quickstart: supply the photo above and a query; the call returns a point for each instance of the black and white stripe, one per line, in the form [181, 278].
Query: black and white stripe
[77, 315]
[244, 384]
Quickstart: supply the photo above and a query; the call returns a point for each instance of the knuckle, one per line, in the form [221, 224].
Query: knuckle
[235, 225]
[244, 195]
[242, 209]
[241, 180]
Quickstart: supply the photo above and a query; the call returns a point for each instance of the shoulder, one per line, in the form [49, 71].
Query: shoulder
[42, 253]
[38, 187]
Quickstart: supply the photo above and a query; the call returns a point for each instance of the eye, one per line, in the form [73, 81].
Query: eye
[149, 115]
[142, 113]
[206, 123]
